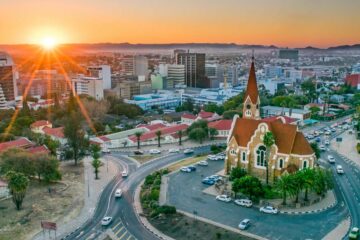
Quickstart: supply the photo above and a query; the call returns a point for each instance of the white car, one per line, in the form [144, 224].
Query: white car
[118, 193]
[124, 173]
[106, 221]
[327, 142]
[322, 148]
[188, 151]
[331, 159]
[244, 224]
[203, 163]
[154, 151]
[105, 150]
[339, 169]
[212, 157]
[327, 133]
[174, 150]
[223, 198]
[243, 202]
[269, 209]
[185, 169]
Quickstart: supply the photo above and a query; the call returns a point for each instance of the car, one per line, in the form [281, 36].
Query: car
[106, 221]
[192, 168]
[212, 157]
[310, 136]
[350, 131]
[154, 151]
[203, 163]
[243, 202]
[269, 209]
[220, 157]
[244, 224]
[188, 151]
[216, 178]
[322, 148]
[327, 132]
[105, 150]
[333, 129]
[124, 174]
[339, 169]
[208, 181]
[223, 198]
[185, 169]
[331, 159]
[138, 152]
[174, 150]
[318, 139]
[327, 142]
[118, 193]
[354, 233]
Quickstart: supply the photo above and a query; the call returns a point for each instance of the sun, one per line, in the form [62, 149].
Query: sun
[49, 43]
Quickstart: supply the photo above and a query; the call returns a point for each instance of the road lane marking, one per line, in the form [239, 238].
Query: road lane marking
[119, 230]
[123, 235]
[129, 237]
[113, 228]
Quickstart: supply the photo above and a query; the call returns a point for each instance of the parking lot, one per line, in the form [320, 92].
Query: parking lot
[185, 191]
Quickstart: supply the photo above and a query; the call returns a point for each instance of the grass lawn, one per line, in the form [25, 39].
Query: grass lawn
[66, 201]
[181, 227]
[185, 162]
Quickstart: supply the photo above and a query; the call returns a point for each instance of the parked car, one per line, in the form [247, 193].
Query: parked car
[269, 209]
[192, 168]
[244, 224]
[318, 139]
[333, 129]
[138, 152]
[223, 198]
[185, 169]
[212, 157]
[331, 159]
[216, 177]
[354, 233]
[106, 221]
[154, 151]
[118, 193]
[327, 132]
[208, 181]
[188, 151]
[322, 148]
[105, 150]
[350, 131]
[339, 169]
[203, 163]
[124, 174]
[327, 142]
[174, 150]
[220, 156]
[243, 202]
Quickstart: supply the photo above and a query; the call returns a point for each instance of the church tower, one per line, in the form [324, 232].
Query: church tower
[251, 108]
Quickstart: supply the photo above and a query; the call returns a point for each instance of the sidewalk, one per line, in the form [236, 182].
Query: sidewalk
[92, 191]
[347, 147]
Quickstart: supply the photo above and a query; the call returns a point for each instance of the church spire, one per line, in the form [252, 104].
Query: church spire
[251, 98]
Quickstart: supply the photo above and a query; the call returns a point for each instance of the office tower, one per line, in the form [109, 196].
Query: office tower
[136, 66]
[194, 69]
[7, 76]
[103, 72]
[90, 86]
[292, 54]
[3, 104]
[126, 90]
[174, 73]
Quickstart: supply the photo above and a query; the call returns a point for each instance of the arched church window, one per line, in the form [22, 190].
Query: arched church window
[281, 163]
[260, 155]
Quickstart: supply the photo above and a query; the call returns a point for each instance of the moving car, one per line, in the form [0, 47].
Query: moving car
[208, 181]
[269, 209]
[223, 198]
[322, 148]
[185, 169]
[174, 150]
[118, 193]
[124, 174]
[339, 169]
[154, 151]
[188, 151]
[244, 224]
[243, 202]
[354, 233]
[138, 152]
[106, 221]
[331, 159]
[192, 168]
[203, 163]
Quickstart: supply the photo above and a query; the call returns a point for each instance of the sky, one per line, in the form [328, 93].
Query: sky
[291, 23]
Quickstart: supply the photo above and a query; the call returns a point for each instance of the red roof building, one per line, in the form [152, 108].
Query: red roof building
[166, 132]
[284, 119]
[152, 126]
[353, 80]
[222, 126]
[18, 143]
[39, 149]
[39, 125]
[189, 118]
[54, 132]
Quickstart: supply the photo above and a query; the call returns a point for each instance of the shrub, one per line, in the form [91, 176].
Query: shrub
[154, 195]
[166, 209]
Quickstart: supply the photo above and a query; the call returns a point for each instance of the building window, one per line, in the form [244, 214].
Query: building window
[260, 156]
[305, 164]
[281, 163]
[248, 113]
[232, 152]
[243, 156]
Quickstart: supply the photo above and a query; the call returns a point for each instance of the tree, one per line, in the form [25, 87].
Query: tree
[285, 185]
[314, 110]
[75, 136]
[180, 134]
[236, 173]
[323, 181]
[138, 135]
[268, 141]
[198, 134]
[298, 185]
[17, 183]
[307, 175]
[316, 149]
[96, 163]
[248, 185]
[17, 160]
[213, 132]
[158, 135]
[46, 167]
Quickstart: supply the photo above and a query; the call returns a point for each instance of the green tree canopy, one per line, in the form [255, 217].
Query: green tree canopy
[17, 183]
[248, 185]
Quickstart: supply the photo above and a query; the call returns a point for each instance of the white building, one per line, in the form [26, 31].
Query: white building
[3, 104]
[103, 72]
[91, 86]
[175, 74]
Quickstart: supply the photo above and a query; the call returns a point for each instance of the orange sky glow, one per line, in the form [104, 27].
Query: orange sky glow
[293, 23]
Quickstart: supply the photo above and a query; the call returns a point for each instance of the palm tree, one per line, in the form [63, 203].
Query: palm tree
[138, 135]
[268, 141]
[17, 183]
[180, 133]
[298, 185]
[285, 186]
[158, 134]
[307, 175]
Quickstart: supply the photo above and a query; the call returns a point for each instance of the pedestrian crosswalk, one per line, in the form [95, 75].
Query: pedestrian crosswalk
[121, 233]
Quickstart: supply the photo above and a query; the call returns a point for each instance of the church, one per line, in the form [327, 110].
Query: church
[245, 144]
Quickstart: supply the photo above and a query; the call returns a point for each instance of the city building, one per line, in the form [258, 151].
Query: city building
[103, 72]
[356, 68]
[91, 86]
[136, 66]
[25, 144]
[160, 100]
[3, 103]
[245, 143]
[353, 80]
[46, 127]
[8, 76]
[174, 73]
[301, 114]
[273, 71]
[292, 54]
[214, 72]
[159, 82]
[188, 118]
[194, 69]
[222, 126]
[128, 89]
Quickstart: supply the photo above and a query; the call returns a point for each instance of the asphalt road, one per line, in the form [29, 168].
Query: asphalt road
[125, 223]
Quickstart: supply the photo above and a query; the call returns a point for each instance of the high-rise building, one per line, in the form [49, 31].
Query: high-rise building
[7, 76]
[103, 72]
[3, 104]
[136, 66]
[174, 73]
[90, 86]
[194, 69]
[292, 54]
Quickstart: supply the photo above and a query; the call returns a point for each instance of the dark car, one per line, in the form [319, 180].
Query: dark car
[138, 152]
[192, 168]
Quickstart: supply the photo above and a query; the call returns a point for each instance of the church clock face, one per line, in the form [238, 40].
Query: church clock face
[248, 106]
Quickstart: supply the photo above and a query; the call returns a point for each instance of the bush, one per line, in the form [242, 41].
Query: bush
[270, 193]
[358, 148]
[166, 209]
[154, 195]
